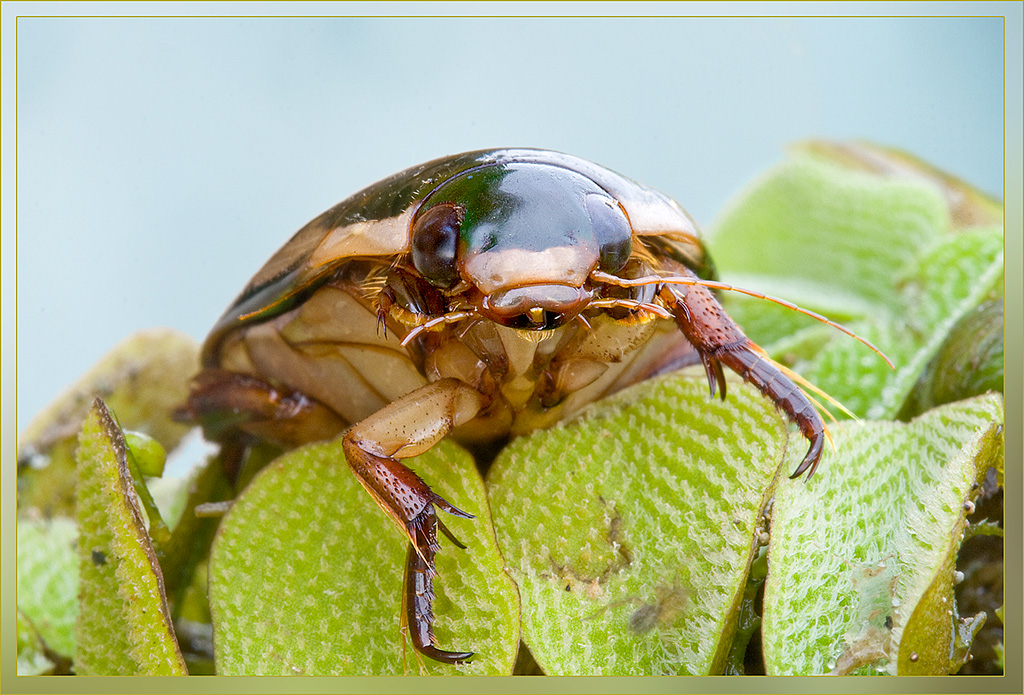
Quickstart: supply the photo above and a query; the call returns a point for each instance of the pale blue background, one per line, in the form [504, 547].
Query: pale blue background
[161, 161]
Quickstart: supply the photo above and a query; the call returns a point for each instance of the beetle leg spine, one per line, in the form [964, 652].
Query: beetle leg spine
[448, 534]
[382, 303]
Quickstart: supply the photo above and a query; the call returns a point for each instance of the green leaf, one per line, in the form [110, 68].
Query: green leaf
[191, 537]
[148, 454]
[968, 207]
[861, 558]
[968, 363]
[123, 625]
[306, 574]
[142, 379]
[947, 282]
[868, 246]
[833, 238]
[48, 580]
[629, 529]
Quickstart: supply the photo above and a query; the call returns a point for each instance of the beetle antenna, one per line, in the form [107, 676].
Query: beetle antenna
[712, 284]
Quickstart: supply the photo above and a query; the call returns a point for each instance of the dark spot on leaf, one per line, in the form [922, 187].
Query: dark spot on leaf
[669, 603]
[99, 558]
[617, 538]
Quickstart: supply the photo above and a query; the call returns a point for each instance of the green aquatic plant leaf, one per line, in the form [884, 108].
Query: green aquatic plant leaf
[47, 587]
[862, 557]
[306, 574]
[897, 251]
[124, 625]
[630, 528]
[142, 379]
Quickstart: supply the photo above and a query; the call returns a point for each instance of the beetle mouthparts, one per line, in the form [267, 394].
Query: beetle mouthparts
[535, 307]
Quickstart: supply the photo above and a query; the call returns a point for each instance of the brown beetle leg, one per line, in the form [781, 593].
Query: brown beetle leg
[405, 428]
[419, 598]
[721, 342]
[235, 408]
[757, 369]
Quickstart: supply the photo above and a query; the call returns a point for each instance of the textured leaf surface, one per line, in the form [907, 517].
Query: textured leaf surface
[629, 530]
[840, 234]
[306, 574]
[48, 580]
[861, 557]
[947, 282]
[969, 362]
[866, 247]
[123, 625]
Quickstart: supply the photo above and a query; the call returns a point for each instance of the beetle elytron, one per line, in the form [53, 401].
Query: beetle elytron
[482, 295]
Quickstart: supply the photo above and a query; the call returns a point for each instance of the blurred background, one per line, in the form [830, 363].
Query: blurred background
[160, 161]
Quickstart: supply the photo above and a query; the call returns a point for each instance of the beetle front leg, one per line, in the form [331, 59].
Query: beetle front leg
[721, 342]
[405, 428]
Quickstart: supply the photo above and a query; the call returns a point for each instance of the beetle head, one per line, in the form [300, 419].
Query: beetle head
[526, 236]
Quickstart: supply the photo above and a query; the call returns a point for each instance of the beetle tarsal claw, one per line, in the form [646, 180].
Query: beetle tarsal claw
[810, 462]
[421, 529]
[450, 535]
[716, 377]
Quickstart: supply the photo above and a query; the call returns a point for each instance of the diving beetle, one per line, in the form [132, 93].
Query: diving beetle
[481, 295]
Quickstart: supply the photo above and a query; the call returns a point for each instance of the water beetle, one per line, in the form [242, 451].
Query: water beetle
[481, 295]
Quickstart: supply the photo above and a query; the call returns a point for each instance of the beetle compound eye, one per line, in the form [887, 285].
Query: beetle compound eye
[611, 230]
[435, 236]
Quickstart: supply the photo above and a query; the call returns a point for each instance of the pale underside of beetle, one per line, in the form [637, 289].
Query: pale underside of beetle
[482, 296]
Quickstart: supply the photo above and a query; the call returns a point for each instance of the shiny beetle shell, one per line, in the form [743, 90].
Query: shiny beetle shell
[481, 295]
[376, 223]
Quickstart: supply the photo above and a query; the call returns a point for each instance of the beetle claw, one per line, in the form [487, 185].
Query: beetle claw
[419, 599]
[810, 462]
[716, 377]
[448, 534]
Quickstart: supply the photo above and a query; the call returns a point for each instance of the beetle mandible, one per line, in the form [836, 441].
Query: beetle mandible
[482, 295]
